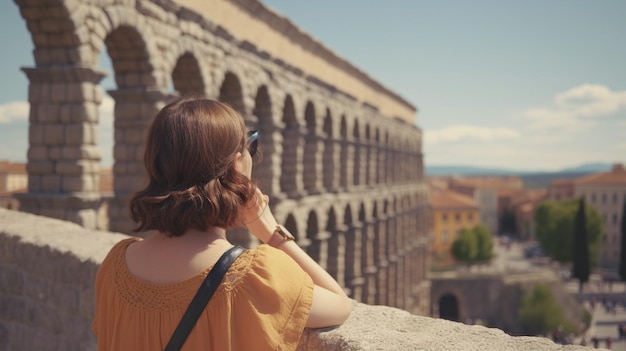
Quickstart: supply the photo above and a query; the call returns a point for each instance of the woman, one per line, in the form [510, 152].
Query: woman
[198, 159]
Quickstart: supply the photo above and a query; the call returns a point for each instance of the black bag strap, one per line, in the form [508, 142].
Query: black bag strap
[199, 302]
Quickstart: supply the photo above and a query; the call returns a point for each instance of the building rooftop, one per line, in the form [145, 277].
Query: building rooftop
[617, 175]
[447, 199]
[11, 167]
[562, 182]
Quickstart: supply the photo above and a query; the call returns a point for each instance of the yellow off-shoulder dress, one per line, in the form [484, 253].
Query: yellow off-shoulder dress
[263, 303]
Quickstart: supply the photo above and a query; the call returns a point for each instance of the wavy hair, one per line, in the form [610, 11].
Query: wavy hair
[191, 146]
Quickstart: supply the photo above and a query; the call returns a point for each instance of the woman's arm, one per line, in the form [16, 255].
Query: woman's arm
[330, 306]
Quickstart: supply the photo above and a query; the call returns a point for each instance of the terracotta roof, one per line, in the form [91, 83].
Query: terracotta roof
[616, 176]
[106, 180]
[449, 199]
[490, 182]
[562, 182]
[10, 167]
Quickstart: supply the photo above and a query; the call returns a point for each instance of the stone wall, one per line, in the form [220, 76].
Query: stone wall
[47, 270]
[494, 298]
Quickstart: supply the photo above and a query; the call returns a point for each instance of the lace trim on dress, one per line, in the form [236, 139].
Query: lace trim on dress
[150, 296]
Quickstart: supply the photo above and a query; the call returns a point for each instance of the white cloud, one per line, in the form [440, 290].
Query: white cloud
[13, 111]
[456, 133]
[591, 100]
[571, 109]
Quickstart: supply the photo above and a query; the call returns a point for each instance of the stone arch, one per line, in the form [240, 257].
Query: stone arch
[358, 161]
[449, 307]
[290, 177]
[137, 100]
[366, 157]
[330, 164]
[336, 246]
[231, 92]
[345, 159]
[262, 121]
[312, 233]
[187, 76]
[292, 226]
[130, 58]
[311, 157]
[350, 270]
[368, 266]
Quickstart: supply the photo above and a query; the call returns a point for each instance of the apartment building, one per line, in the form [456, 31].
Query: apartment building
[451, 212]
[486, 192]
[561, 189]
[607, 193]
[13, 179]
[523, 205]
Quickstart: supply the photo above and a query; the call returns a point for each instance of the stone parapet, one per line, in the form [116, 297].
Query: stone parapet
[48, 267]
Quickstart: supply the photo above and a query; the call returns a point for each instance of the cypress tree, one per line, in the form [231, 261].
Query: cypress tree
[581, 269]
[622, 257]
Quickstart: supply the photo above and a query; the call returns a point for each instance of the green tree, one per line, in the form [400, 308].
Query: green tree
[581, 269]
[484, 243]
[540, 313]
[555, 229]
[473, 245]
[464, 247]
[622, 262]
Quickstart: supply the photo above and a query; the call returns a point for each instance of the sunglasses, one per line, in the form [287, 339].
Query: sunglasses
[253, 142]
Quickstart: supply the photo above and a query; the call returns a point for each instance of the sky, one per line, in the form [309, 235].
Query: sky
[522, 85]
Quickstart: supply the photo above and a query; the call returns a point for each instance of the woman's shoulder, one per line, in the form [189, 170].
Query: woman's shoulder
[118, 250]
[266, 263]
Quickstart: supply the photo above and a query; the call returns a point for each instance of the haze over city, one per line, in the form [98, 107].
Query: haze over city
[518, 85]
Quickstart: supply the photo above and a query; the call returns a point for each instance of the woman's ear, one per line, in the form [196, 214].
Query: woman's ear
[238, 163]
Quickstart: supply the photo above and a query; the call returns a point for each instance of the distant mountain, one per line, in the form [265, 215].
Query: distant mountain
[532, 179]
[588, 168]
[467, 170]
[472, 170]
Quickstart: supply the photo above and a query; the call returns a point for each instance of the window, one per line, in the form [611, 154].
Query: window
[614, 218]
[457, 217]
[444, 236]
[444, 217]
[593, 198]
[603, 198]
[614, 199]
[470, 216]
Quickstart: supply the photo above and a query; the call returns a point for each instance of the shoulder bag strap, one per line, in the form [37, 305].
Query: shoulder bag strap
[199, 302]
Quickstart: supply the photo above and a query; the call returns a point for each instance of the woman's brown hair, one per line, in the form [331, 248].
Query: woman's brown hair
[191, 147]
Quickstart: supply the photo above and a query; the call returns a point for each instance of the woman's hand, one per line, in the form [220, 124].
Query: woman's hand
[254, 208]
[257, 216]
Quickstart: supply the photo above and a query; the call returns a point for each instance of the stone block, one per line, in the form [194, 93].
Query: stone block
[37, 153]
[82, 183]
[51, 183]
[58, 56]
[34, 184]
[47, 113]
[54, 134]
[82, 152]
[40, 167]
[80, 133]
[54, 153]
[70, 168]
[59, 91]
[120, 152]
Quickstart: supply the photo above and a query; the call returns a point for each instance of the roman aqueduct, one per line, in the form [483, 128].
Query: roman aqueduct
[342, 157]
